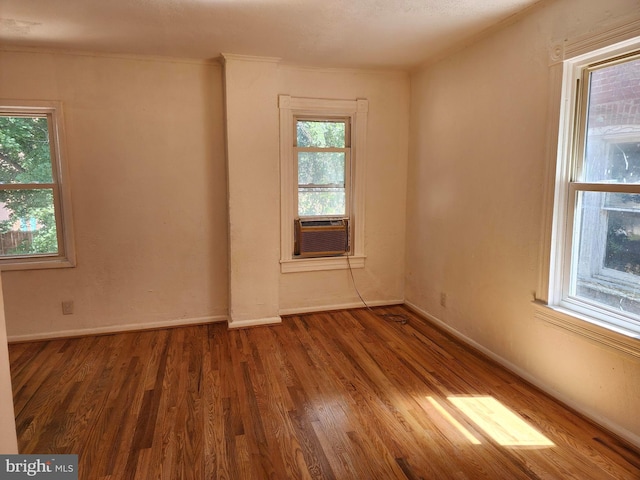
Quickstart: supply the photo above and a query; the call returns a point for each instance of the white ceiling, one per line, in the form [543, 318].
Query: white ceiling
[340, 33]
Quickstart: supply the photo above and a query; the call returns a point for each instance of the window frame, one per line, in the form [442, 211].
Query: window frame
[568, 62]
[577, 185]
[356, 111]
[65, 257]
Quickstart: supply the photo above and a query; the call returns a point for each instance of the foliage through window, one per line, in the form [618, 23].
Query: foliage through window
[322, 153]
[31, 218]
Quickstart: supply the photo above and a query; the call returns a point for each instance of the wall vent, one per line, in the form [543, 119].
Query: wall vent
[321, 238]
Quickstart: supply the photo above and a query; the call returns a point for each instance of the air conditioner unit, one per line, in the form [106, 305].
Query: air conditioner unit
[321, 238]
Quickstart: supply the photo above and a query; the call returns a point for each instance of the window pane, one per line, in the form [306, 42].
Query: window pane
[323, 134]
[321, 202]
[607, 270]
[24, 150]
[321, 168]
[27, 222]
[613, 124]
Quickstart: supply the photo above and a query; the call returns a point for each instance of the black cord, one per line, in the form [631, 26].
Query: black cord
[391, 317]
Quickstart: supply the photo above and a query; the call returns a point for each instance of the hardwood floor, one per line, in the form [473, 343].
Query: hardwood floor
[340, 395]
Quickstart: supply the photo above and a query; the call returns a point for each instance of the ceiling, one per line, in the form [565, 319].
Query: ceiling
[339, 33]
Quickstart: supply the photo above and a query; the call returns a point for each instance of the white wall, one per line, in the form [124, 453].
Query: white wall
[145, 145]
[478, 144]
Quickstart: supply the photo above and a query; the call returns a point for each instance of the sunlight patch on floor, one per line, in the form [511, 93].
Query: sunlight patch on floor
[499, 422]
[467, 434]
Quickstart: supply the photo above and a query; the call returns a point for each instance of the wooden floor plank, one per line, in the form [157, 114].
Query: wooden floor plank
[335, 395]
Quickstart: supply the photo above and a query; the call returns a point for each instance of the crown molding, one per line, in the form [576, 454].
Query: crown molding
[225, 57]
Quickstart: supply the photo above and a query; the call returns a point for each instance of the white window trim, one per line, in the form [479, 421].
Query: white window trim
[357, 110]
[64, 221]
[566, 61]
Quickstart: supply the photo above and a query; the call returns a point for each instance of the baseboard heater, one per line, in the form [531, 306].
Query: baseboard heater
[321, 238]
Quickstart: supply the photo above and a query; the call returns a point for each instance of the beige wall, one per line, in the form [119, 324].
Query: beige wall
[382, 279]
[146, 159]
[259, 292]
[145, 148]
[478, 144]
[254, 190]
[145, 145]
[8, 439]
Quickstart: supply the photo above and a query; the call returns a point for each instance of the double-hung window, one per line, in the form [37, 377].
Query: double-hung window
[596, 272]
[322, 167]
[35, 230]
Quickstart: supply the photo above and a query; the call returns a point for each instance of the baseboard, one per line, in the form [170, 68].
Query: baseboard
[256, 322]
[342, 306]
[232, 324]
[588, 413]
[83, 332]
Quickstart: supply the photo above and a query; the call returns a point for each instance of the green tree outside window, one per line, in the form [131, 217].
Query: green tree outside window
[26, 186]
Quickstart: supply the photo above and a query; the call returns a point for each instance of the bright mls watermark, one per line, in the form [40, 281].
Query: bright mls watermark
[50, 467]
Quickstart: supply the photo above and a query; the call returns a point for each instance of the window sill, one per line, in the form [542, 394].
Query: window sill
[321, 263]
[623, 339]
[35, 264]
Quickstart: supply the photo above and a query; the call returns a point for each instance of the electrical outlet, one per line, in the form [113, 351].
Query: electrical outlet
[67, 307]
[443, 299]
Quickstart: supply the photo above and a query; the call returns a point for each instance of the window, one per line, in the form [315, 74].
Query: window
[322, 151]
[596, 272]
[34, 206]
[322, 165]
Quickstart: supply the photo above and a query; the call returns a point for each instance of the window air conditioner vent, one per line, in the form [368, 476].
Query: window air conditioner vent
[321, 238]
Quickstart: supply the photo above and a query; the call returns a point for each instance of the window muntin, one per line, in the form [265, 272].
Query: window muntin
[322, 164]
[34, 228]
[602, 259]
